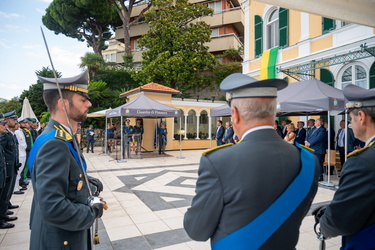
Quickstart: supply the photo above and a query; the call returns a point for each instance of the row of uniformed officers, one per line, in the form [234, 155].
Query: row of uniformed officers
[17, 136]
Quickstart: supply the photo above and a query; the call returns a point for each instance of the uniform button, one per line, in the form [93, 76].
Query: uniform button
[80, 175]
[66, 243]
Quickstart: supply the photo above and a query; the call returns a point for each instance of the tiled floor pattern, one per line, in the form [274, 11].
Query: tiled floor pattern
[147, 199]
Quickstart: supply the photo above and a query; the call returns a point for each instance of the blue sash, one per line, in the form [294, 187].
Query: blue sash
[364, 239]
[258, 231]
[41, 140]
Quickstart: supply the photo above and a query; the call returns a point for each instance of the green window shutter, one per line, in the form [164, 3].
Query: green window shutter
[327, 77]
[258, 35]
[372, 76]
[328, 25]
[283, 27]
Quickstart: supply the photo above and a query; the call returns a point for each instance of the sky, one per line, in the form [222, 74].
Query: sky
[22, 49]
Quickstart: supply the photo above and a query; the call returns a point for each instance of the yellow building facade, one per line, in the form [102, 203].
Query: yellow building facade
[308, 46]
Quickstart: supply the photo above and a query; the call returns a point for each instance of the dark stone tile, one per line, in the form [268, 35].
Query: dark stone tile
[167, 238]
[135, 243]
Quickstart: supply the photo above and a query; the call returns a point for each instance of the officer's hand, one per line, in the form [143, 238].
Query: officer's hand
[97, 183]
[318, 213]
[98, 209]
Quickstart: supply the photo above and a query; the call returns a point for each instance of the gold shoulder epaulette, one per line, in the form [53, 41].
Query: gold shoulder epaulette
[355, 152]
[62, 134]
[215, 148]
[310, 149]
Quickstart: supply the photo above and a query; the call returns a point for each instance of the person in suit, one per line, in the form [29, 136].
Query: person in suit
[228, 134]
[219, 133]
[340, 141]
[300, 133]
[332, 134]
[310, 126]
[317, 140]
[232, 191]
[351, 213]
[277, 128]
[62, 210]
[10, 146]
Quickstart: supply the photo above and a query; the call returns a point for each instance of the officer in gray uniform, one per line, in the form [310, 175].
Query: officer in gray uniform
[62, 213]
[352, 210]
[237, 183]
[9, 143]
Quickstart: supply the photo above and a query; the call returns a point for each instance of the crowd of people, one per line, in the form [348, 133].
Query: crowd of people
[315, 136]
[17, 137]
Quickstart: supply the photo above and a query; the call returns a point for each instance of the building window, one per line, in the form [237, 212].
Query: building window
[136, 46]
[214, 32]
[191, 120]
[216, 6]
[178, 126]
[203, 125]
[354, 74]
[273, 30]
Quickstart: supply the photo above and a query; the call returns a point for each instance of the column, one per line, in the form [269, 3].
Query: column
[185, 129]
[198, 115]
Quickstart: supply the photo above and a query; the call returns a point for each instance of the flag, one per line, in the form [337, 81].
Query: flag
[268, 64]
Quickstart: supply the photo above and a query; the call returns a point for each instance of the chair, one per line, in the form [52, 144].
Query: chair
[332, 160]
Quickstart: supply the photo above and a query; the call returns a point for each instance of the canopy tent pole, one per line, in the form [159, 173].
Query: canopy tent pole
[122, 142]
[328, 183]
[346, 136]
[105, 138]
[180, 135]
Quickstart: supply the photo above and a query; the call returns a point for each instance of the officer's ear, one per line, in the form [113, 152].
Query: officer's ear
[60, 103]
[235, 115]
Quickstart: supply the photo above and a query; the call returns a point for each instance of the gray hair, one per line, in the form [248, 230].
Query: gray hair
[256, 108]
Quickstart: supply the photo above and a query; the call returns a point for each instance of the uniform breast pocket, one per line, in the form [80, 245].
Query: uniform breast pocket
[78, 191]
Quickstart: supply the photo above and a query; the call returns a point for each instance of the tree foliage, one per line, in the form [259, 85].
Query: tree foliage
[177, 55]
[35, 92]
[10, 105]
[89, 20]
[124, 10]
[93, 62]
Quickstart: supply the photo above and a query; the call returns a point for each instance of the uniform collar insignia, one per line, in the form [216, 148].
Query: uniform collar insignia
[62, 134]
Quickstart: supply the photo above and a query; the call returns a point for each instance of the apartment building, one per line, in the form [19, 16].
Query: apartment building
[227, 24]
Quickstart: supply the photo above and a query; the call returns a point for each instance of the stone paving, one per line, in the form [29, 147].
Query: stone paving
[147, 199]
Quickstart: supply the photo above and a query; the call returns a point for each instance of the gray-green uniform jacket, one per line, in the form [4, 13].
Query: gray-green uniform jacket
[353, 206]
[60, 217]
[237, 183]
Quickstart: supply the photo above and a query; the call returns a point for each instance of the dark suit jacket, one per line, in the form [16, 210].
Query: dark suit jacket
[300, 136]
[220, 133]
[239, 182]
[318, 140]
[352, 207]
[351, 139]
[59, 212]
[10, 147]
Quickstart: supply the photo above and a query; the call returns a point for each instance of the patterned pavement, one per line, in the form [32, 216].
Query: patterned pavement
[147, 199]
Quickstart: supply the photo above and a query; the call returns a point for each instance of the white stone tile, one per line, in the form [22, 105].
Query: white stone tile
[152, 227]
[123, 232]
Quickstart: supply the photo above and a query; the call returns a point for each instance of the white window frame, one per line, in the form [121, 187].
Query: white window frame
[266, 37]
[352, 65]
[216, 6]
